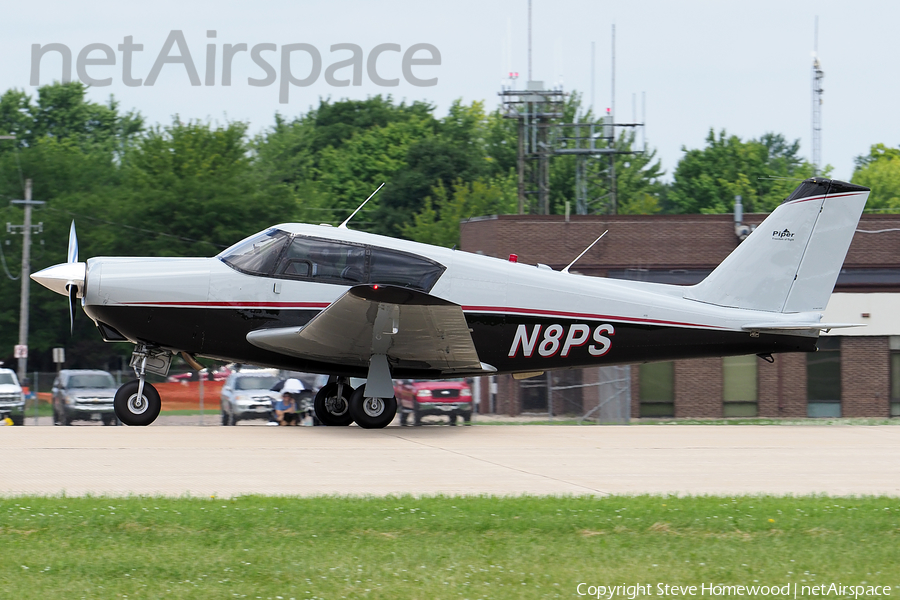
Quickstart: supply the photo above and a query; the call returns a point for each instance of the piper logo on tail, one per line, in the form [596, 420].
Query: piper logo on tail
[786, 234]
[557, 340]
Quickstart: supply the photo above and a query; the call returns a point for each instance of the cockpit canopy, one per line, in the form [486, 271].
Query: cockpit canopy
[276, 253]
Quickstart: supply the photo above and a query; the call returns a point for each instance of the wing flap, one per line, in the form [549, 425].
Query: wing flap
[414, 329]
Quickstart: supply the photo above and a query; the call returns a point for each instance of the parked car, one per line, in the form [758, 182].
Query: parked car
[247, 395]
[12, 400]
[84, 395]
[451, 397]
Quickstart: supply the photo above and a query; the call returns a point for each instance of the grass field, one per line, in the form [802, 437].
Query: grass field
[437, 547]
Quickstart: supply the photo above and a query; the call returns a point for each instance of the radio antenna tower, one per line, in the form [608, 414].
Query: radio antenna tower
[817, 75]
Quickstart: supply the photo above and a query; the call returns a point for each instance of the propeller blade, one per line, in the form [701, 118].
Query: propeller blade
[73, 296]
[73, 245]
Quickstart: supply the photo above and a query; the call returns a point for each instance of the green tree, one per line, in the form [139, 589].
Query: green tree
[71, 149]
[762, 172]
[880, 172]
[195, 183]
[455, 151]
[438, 222]
[333, 157]
[349, 174]
[61, 111]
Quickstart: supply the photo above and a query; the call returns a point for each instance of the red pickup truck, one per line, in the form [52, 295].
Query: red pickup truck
[451, 397]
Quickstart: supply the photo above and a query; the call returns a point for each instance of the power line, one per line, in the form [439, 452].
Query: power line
[6, 268]
[142, 230]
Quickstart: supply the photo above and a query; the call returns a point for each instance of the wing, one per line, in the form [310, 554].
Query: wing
[414, 329]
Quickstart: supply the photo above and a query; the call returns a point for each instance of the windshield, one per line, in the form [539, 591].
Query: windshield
[92, 380]
[256, 255]
[256, 382]
[7, 378]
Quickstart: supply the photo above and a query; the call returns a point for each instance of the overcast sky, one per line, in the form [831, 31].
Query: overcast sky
[740, 66]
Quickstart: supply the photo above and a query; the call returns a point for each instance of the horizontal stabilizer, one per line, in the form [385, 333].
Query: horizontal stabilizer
[795, 326]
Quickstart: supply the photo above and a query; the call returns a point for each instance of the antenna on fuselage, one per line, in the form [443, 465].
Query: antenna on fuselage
[344, 224]
[566, 270]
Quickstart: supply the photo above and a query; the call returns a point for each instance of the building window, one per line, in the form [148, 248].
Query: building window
[658, 389]
[895, 375]
[534, 394]
[739, 393]
[823, 379]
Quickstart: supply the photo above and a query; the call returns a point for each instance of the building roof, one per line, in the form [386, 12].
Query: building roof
[680, 249]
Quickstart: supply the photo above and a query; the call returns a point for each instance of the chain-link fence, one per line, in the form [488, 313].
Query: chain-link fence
[601, 394]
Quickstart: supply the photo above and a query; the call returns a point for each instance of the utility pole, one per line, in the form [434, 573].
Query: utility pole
[26, 279]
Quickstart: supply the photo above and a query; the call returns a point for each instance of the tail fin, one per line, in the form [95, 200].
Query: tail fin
[791, 261]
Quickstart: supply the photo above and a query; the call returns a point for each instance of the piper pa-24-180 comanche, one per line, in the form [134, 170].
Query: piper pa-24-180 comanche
[345, 303]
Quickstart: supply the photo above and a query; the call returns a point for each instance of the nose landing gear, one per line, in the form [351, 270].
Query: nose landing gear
[137, 402]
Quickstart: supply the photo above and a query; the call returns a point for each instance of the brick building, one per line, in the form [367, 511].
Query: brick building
[856, 372]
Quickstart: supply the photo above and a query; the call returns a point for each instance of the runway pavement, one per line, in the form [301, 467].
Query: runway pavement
[500, 460]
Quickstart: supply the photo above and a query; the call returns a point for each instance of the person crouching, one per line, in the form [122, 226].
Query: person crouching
[286, 410]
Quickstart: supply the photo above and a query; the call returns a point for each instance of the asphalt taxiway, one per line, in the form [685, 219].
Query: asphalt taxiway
[500, 460]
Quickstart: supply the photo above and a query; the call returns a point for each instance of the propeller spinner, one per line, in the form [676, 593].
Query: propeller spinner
[66, 278]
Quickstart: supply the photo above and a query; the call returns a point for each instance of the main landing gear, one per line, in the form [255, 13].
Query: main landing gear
[337, 403]
[137, 402]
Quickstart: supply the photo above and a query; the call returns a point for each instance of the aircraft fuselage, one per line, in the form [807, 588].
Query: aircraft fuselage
[522, 318]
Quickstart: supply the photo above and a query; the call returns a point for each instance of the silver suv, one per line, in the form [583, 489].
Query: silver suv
[12, 401]
[247, 395]
[84, 395]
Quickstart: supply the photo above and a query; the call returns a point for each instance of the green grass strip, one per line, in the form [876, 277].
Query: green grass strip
[438, 547]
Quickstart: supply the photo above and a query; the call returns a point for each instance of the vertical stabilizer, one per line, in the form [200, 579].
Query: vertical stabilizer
[791, 261]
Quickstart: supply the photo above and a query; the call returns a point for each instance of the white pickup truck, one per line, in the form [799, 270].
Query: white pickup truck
[12, 400]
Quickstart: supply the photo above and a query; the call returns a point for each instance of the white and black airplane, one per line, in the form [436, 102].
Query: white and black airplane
[348, 304]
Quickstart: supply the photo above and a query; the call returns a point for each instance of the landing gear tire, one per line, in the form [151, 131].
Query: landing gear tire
[132, 410]
[372, 413]
[332, 409]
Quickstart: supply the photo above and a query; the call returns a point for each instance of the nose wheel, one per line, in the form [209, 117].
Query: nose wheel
[137, 403]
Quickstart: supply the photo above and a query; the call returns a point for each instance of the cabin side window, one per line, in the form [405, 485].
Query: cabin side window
[391, 267]
[324, 261]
